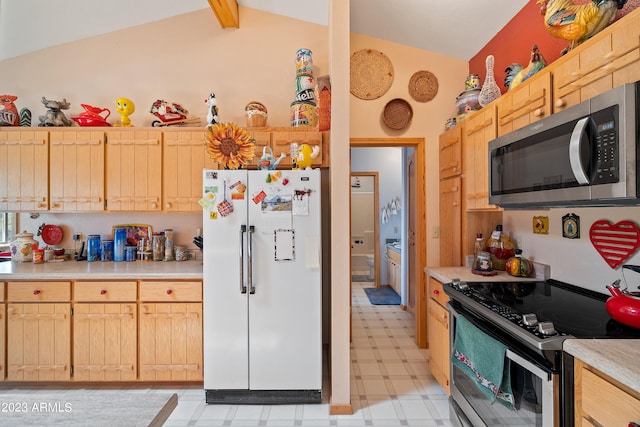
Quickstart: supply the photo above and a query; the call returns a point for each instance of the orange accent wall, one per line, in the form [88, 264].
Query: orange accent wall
[513, 44]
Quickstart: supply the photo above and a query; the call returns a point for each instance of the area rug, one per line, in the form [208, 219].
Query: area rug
[360, 278]
[382, 296]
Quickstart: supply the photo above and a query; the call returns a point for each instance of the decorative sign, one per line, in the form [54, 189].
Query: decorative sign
[615, 242]
[571, 226]
[540, 225]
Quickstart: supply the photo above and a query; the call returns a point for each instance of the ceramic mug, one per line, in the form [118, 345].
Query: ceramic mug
[182, 253]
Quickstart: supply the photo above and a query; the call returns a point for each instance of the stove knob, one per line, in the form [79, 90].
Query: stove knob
[529, 319]
[546, 328]
[463, 286]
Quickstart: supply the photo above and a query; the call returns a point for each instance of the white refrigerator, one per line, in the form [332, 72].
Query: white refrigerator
[262, 286]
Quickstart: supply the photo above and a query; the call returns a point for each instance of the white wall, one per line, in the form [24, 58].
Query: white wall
[574, 261]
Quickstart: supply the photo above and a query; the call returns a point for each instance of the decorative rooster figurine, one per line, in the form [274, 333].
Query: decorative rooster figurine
[516, 74]
[577, 22]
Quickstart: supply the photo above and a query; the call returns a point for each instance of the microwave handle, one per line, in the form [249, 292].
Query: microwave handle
[575, 144]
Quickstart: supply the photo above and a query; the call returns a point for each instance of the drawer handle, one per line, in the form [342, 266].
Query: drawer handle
[436, 292]
[169, 291]
[36, 291]
[103, 292]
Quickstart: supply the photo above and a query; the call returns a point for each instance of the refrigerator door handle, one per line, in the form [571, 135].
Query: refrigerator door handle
[243, 288]
[252, 288]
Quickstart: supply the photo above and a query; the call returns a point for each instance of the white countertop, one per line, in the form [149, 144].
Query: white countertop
[615, 358]
[447, 274]
[79, 270]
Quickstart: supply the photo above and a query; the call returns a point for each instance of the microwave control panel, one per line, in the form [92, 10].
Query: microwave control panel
[606, 147]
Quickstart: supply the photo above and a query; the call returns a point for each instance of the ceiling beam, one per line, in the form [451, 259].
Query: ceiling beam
[227, 12]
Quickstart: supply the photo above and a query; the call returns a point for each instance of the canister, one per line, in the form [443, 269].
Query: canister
[38, 256]
[119, 242]
[106, 250]
[130, 252]
[158, 245]
[93, 247]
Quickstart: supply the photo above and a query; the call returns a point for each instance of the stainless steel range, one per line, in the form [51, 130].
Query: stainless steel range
[532, 320]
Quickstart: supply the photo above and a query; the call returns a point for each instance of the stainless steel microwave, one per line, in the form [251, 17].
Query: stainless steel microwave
[585, 155]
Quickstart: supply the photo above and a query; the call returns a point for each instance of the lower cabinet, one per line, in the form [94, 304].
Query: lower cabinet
[601, 401]
[170, 340]
[438, 334]
[104, 331]
[38, 331]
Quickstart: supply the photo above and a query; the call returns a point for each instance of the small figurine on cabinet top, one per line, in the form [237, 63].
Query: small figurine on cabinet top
[54, 115]
[306, 154]
[125, 107]
[516, 74]
[212, 114]
[9, 112]
[171, 113]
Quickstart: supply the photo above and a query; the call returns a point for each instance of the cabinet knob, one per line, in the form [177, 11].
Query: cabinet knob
[154, 205]
[560, 103]
[436, 292]
[167, 205]
[103, 292]
[169, 291]
[538, 112]
[36, 291]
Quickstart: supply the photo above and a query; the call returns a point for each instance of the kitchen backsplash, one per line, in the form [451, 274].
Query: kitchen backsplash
[185, 225]
[574, 261]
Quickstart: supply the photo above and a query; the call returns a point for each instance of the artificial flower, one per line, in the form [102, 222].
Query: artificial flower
[229, 144]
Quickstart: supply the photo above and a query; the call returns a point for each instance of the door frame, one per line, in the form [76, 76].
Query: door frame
[418, 144]
[376, 226]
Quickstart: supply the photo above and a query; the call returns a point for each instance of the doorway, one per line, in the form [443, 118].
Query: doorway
[415, 234]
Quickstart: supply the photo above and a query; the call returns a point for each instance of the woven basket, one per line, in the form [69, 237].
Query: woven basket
[423, 86]
[397, 114]
[371, 74]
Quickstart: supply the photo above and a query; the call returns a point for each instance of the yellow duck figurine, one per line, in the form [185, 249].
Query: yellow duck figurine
[125, 107]
[306, 154]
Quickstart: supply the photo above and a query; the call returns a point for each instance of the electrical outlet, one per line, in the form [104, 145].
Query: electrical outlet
[435, 232]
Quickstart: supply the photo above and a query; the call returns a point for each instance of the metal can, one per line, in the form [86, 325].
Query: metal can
[93, 247]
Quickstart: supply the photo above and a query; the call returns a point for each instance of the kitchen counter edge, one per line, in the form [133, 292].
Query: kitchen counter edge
[616, 358]
[447, 274]
[83, 270]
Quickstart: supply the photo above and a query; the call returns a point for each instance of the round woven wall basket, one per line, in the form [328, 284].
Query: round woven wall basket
[371, 74]
[423, 86]
[397, 114]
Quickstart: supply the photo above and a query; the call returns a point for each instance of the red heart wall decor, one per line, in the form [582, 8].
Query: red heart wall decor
[615, 242]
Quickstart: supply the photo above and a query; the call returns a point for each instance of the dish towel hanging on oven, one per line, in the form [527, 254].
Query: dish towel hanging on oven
[484, 360]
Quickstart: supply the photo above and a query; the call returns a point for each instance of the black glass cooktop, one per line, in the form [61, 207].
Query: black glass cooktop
[574, 311]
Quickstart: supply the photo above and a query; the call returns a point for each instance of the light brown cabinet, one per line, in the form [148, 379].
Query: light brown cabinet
[450, 222]
[24, 170]
[185, 156]
[525, 104]
[281, 139]
[480, 128]
[76, 170]
[170, 338]
[601, 401]
[438, 333]
[134, 170]
[38, 331]
[450, 146]
[607, 60]
[104, 331]
[394, 270]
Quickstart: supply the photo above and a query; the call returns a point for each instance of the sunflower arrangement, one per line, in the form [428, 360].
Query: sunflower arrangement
[229, 144]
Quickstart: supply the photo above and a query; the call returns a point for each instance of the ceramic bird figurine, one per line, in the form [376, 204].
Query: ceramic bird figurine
[577, 22]
[516, 74]
[306, 154]
[490, 89]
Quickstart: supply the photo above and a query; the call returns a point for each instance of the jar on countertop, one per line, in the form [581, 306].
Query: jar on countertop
[22, 248]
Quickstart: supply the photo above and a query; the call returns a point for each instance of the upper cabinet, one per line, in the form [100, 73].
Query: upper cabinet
[134, 170]
[76, 170]
[282, 138]
[24, 169]
[610, 59]
[185, 157]
[480, 128]
[525, 104]
[450, 145]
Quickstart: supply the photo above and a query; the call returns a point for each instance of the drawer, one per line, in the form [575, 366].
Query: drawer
[394, 256]
[606, 403]
[104, 291]
[38, 291]
[436, 292]
[170, 291]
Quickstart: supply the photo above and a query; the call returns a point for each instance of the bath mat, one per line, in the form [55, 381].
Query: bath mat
[360, 278]
[382, 296]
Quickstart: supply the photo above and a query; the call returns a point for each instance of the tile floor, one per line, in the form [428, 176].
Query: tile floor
[390, 383]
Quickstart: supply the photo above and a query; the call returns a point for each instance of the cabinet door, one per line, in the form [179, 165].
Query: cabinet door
[282, 139]
[171, 342]
[525, 104]
[38, 342]
[104, 342]
[438, 332]
[134, 170]
[24, 170]
[76, 170]
[262, 139]
[185, 156]
[450, 157]
[480, 128]
[450, 222]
